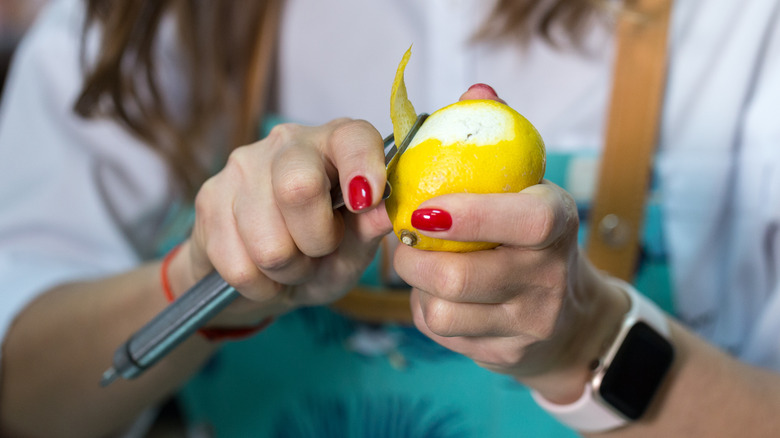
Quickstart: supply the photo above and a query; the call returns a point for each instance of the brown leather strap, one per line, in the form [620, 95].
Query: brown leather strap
[376, 305]
[637, 98]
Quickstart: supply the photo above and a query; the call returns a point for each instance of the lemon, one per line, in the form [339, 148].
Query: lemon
[472, 146]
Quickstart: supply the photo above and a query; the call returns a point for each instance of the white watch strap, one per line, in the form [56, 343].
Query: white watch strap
[589, 413]
[585, 415]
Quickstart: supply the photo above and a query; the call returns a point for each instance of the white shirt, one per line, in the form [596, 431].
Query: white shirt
[80, 199]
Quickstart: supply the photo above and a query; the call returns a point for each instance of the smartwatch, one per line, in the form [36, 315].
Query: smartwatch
[627, 376]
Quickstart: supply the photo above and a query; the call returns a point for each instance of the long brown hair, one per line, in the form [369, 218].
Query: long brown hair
[558, 22]
[221, 42]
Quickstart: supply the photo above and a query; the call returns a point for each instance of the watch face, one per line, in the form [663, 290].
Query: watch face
[636, 371]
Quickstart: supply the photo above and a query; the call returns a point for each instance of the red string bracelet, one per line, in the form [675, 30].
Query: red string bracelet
[216, 333]
[220, 334]
[166, 285]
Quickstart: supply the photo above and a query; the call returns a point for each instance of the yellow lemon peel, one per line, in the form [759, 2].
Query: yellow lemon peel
[402, 113]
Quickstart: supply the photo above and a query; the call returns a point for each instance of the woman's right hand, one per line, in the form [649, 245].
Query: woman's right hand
[266, 222]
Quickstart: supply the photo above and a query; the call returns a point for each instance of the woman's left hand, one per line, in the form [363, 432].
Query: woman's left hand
[533, 307]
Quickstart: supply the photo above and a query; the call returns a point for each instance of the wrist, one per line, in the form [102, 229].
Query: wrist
[241, 319]
[593, 322]
[176, 273]
[627, 376]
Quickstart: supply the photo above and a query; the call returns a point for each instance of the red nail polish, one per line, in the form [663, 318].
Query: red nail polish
[431, 219]
[359, 193]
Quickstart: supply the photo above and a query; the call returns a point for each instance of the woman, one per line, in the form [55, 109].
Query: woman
[104, 197]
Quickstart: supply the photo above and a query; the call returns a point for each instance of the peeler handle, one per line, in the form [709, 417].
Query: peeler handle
[170, 327]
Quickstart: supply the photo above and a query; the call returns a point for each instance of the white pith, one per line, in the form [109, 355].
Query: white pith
[477, 123]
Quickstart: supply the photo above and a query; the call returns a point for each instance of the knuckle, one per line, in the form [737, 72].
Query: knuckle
[545, 323]
[204, 197]
[509, 357]
[544, 328]
[237, 273]
[323, 245]
[570, 209]
[235, 171]
[558, 286]
[451, 282]
[554, 219]
[236, 160]
[283, 133]
[273, 257]
[344, 128]
[301, 187]
[543, 227]
[240, 276]
[335, 124]
[345, 132]
[439, 317]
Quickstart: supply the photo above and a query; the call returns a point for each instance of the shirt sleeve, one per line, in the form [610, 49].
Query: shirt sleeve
[79, 199]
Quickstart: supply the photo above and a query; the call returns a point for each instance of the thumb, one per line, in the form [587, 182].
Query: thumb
[356, 149]
[481, 91]
[372, 225]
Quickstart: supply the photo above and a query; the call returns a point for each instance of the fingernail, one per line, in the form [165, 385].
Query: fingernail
[431, 219]
[359, 193]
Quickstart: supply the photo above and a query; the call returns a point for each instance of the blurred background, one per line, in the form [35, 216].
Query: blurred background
[16, 16]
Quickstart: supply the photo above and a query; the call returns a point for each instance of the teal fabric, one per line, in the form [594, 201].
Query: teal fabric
[301, 378]
[315, 373]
